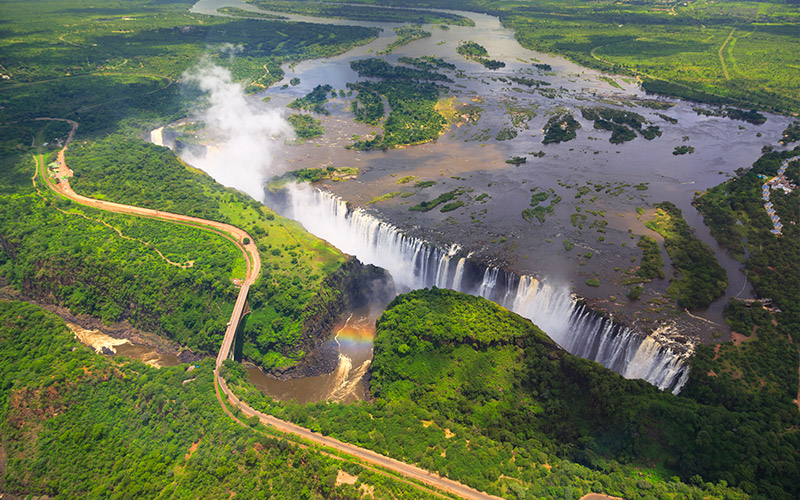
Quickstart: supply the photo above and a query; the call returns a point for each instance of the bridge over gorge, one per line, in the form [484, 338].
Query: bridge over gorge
[396, 470]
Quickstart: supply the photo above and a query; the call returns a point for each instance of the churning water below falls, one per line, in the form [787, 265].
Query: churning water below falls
[414, 263]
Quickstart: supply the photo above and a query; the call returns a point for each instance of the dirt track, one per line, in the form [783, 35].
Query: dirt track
[253, 260]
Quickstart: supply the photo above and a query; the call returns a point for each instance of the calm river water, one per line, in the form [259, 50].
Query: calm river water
[471, 158]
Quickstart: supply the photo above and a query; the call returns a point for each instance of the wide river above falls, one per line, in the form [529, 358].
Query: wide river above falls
[471, 157]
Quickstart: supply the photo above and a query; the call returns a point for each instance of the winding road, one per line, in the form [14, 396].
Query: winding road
[253, 259]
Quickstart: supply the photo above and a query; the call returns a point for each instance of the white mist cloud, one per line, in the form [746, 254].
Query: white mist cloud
[246, 136]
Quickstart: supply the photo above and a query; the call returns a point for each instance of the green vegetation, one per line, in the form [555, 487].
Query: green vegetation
[477, 52]
[449, 207]
[611, 82]
[652, 265]
[465, 388]
[635, 293]
[74, 424]
[772, 264]
[405, 35]
[306, 126]
[568, 245]
[295, 265]
[701, 279]
[314, 101]
[113, 67]
[118, 61]
[528, 82]
[682, 150]
[424, 184]
[560, 128]
[713, 52]
[73, 256]
[791, 134]
[472, 50]
[747, 116]
[371, 109]
[378, 68]
[362, 13]
[407, 178]
[594, 282]
[384, 197]
[312, 175]
[427, 206]
[428, 63]
[236, 12]
[516, 160]
[621, 124]
[519, 113]
[505, 134]
[538, 211]
[413, 118]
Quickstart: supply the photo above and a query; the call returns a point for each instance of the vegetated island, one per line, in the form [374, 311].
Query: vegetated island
[701, 279]
[363, 12]
[236, 12]
[560, 128]
[412, 98]
[477, 52]
[405, 35]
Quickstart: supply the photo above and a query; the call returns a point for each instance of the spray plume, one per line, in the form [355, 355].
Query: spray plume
[246, 136]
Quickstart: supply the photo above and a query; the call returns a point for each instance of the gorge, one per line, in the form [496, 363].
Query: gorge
[414, 263]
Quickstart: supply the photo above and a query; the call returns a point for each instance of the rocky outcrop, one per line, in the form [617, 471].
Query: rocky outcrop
[350, 287]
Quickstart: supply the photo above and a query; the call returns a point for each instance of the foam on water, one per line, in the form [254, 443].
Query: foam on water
[415, 263]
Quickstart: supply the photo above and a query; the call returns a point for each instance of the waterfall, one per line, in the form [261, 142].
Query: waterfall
[157, 136]
[414, 263]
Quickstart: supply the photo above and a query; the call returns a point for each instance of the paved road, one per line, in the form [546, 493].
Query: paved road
[253, 269]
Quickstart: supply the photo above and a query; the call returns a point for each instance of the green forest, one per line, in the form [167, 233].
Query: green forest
[560, 128]
[305, 126]
[295, 265]
[461, 385]
[74, 424]
[477, 52]
[361, 13]
[412, 99]
[117, 63]
[772, 265]
[699, 279]
[741, 53]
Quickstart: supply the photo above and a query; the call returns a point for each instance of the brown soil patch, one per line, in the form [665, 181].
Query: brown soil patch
[716, 351]
[738, 338]
[193, 449]
[30, 405]
[343, 477]
[427, 423]
[2, 464]
[712, 374]
[448, 434]
[367, 491]
[598, 496]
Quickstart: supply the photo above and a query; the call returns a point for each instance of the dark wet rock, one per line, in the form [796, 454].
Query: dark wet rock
[356, 285]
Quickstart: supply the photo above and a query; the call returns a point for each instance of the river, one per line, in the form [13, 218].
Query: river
[470, 157]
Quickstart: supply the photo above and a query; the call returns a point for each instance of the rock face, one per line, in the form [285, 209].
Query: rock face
[352, 286]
